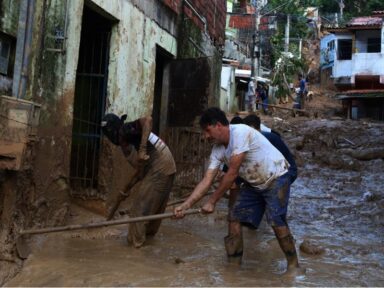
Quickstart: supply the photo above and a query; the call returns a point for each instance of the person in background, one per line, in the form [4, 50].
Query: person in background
[275, 139]
[251, 95]
[264, 98]
[302, 91]
[258, 96]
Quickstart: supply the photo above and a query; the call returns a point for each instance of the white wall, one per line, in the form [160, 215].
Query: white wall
[361, 63]
[362, 37]
[132, 55]
[228, 101]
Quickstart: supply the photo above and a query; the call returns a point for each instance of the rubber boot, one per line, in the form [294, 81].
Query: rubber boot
[136, 234]
[287, 244]
[234, 248]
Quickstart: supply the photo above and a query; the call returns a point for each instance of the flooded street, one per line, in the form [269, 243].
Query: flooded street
[335, 214]
[106, 105]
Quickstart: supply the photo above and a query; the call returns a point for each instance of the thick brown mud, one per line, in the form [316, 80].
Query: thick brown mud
[190, 252]
[336, 216]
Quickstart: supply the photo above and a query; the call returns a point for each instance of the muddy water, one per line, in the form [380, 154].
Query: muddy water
[190, 252]
[341, 212]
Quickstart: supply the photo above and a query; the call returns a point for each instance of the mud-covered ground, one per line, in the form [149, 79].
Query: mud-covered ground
[336, 215]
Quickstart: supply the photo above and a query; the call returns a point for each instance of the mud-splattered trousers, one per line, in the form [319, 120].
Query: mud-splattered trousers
[251, 203]
[150, 195]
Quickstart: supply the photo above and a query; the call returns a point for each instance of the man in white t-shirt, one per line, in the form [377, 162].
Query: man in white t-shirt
[248, 154]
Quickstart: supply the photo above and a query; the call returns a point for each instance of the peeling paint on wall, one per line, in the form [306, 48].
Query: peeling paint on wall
[132, 59]
[9, 15]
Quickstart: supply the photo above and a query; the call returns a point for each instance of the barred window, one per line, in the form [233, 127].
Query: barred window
[373, 45]
[344, 49]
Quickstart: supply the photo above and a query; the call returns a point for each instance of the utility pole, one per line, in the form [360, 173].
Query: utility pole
[341, 5]
[286, 44]
[255, 44]
[257, 39]
[300, 47]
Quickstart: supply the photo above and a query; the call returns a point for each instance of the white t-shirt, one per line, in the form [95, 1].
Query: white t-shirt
[251, 90]
[263, 163]
[265, 128]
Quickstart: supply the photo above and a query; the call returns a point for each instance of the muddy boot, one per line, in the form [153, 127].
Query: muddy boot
[136, 234]
[234, 248]
[287, 244]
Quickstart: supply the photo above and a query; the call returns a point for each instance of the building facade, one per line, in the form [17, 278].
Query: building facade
[352, 59]
[75, 60]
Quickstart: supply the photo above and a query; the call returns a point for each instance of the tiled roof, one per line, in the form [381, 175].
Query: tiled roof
[365, 91]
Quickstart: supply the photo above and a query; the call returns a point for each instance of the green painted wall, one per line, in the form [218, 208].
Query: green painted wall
[9, 15]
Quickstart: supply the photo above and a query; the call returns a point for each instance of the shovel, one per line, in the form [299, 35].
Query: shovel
[23, 249]
[123, 195]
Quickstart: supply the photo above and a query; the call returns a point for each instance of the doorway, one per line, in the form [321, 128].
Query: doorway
[160, 98]
[90, 98]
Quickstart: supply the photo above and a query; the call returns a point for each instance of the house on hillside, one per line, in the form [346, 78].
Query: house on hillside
[352, 59]
[72, 61]
[242, 48]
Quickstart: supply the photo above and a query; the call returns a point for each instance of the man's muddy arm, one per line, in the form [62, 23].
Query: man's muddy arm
[198, 193]
[225, 183]
[146, 128]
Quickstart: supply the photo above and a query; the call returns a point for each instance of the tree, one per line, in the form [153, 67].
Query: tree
[285, 68]
[351, 8]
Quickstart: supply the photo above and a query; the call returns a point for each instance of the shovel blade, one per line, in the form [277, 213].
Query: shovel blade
[22, 247]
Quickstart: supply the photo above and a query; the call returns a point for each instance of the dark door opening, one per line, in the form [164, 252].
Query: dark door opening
[160, 99]
[189, 90]
[90, 97]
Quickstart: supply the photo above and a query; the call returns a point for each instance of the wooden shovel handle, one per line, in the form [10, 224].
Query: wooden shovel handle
[105, 223]
[121, 197]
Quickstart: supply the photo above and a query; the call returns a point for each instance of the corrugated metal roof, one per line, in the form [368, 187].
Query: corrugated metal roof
[365, 21]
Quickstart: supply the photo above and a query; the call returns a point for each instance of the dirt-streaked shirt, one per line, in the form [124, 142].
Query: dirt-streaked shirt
[263, 163]
[160, 157]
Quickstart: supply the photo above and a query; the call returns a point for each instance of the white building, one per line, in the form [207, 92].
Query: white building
[352, 58]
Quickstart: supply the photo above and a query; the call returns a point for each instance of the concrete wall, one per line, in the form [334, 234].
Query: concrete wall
[366, 64]
[228, 101]
[362, 38]
[9, 16]
[130, 85]
[362, 63]
[132, 56]
[327, 56]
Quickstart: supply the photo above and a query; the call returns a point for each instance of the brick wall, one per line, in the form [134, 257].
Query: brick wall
[173, 4]
[214, 11]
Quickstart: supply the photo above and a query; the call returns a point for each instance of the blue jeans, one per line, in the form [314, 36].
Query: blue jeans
[265, 104]
[251, 204]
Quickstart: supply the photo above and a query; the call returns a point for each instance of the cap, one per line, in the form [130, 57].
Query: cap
[110, 126]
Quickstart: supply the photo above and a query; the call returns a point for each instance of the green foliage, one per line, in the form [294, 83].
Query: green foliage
[351, 8]
[286, 68]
